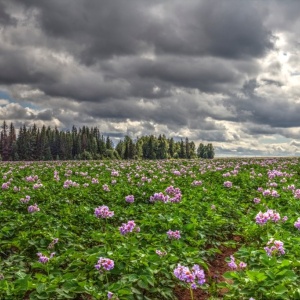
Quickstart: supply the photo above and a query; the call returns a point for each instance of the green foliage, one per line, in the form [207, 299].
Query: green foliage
[209, 217]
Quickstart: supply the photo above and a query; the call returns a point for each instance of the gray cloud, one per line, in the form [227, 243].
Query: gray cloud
[5, 18]
[113, 28]
[275, 112]
[214, 70]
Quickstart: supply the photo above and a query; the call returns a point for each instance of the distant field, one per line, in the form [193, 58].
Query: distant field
[136, 229]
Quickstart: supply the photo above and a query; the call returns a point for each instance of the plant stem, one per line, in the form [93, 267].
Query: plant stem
[129, 251]
[104, 229]
[192, 294]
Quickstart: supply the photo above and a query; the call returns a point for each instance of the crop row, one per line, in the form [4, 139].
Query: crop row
[139, 229]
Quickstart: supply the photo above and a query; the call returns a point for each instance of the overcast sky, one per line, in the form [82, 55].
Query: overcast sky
[226, 72]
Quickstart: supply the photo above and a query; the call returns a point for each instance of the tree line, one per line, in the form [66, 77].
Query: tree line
[85, 143]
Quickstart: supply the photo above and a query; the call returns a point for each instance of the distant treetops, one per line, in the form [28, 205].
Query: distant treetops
[86, 143]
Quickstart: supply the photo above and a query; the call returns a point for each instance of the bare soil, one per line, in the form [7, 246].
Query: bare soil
[215, 274]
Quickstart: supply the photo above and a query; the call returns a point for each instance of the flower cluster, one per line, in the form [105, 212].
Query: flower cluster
[161, 253]
[104, 264]
[105, 188]
[33, 208]
[263, 218]
[103, 212]
[130, 226]
[25, 200]
[37, 186]
[233, 266]
[17, 189]
[174, 193]
[95, 181]
[174, 234]
[256, 200]
[271, 193]
[297, 194]
[170, 190]
[32, 178]
[69, 183]
[192, 277]
[297, 224]
[51, 245]
[5, 185]
[292, 188]
[197, 183]
[129, 198]
[56, 176]
[115, 173]
[227, 184]
[276, 248]
[226, 174]
[43, 258]
[159, 197]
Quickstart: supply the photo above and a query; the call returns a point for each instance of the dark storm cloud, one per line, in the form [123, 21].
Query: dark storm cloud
[203, 74]
[112, 35]
[198, 66]
[108, 28]
[16, 66]
[165, 72]
[5, 18]
[274, 112]
[172, 112]
[211, 136]
[46, 115]
[254, 129]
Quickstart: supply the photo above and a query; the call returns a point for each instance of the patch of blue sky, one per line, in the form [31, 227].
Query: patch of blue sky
[28, 104]
[275, 139]
[23, 103]
[4, 95]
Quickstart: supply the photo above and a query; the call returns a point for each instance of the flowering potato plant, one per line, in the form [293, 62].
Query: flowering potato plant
[140, 229]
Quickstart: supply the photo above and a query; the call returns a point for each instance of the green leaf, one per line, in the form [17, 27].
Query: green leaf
[40, 288]
[124, 291]
[270, 274]
[142, 284]
[280, 289]
[256, 276]
[231, 275]
[135, 291]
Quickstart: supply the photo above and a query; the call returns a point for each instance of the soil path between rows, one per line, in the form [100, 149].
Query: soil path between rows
[215, 274]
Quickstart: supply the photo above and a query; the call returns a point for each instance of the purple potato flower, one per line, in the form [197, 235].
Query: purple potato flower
[193, 277]
[174, 234]
[129, 198]
[128, 227]
[103, 212]
[104, 264]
